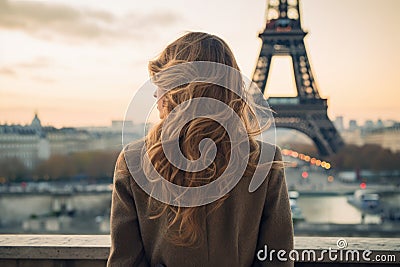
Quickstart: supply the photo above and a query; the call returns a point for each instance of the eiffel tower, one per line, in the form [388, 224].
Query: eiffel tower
[307, 112]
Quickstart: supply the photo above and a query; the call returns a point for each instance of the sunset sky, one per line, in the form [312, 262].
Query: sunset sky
[78, 63]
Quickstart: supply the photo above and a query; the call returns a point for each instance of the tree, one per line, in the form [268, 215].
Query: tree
[13, 169]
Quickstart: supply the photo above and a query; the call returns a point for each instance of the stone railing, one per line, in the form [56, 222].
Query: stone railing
[92, 251]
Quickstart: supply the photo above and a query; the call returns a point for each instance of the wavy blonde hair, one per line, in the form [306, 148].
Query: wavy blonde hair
[182, 227]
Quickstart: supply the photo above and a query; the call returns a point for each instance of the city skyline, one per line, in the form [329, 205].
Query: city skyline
[347, 123]
[79, 64]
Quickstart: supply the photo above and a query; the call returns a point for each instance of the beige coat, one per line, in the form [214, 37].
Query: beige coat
[235, 232]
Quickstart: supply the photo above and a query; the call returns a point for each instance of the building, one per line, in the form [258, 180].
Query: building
[353, 125]
[338, 122]
[351, 134]
[33, 143]
[25, 143]
[387, 137]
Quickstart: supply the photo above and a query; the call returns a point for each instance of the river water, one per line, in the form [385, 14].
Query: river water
[335, 209]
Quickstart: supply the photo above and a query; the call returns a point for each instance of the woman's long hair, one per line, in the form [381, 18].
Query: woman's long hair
[182, 227]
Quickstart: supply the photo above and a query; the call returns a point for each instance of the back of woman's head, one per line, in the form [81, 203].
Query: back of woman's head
[194, 46]
[183, 227]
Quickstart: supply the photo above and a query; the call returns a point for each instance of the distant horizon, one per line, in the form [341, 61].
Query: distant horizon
[346, 121]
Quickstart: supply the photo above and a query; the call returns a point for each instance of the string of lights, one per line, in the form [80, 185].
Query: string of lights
[313, 161]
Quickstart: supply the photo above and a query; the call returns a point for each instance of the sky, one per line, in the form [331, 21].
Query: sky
[79, 63]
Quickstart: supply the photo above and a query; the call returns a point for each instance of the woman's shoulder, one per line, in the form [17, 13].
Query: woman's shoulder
[131, 154]
[269, 152]
[133, 149]
[135, 145]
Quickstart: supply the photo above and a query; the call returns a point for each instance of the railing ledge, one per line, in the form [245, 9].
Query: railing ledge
[95, 248]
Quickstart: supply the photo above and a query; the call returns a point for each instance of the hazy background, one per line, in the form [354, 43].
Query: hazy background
[78, 63]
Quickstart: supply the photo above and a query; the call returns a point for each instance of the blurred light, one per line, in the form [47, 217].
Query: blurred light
[323, 164]
[327, 166]
[363, 185]
[304, 174]
[307, 158]
[318, 163]
[295, 154]
[313, 160]
[331, 178]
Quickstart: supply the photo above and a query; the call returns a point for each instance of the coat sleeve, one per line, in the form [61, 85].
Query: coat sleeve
[126, 242]
[276, 226]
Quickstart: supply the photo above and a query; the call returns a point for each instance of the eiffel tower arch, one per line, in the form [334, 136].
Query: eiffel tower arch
[306, 112]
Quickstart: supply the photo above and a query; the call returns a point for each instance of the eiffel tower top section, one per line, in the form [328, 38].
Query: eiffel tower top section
[283, 16]
[284, 36]
[307, 112]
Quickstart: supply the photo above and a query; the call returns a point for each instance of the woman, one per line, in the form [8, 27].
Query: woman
[236, 229]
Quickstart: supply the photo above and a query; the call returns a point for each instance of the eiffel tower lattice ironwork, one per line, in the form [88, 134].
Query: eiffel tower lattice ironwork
[307, 112]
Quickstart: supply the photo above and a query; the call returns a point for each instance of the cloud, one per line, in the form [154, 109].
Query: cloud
[29, 68]
[35, 64]
[7, 71]
[41, 79]
[58, 21]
